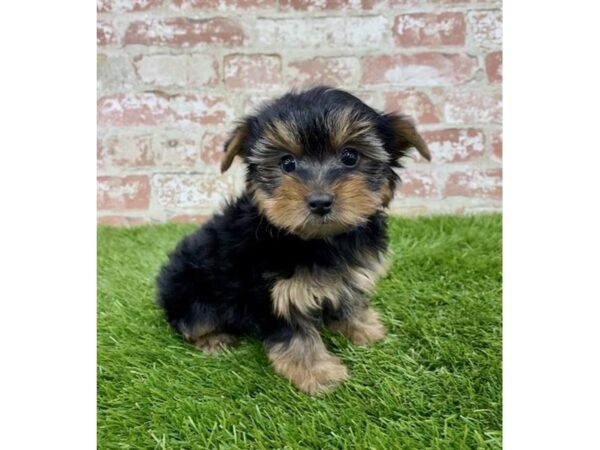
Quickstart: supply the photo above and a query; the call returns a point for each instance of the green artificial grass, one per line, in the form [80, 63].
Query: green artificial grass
[435, 382]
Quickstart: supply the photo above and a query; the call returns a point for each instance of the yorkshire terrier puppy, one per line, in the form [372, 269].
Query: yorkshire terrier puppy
[304, 245]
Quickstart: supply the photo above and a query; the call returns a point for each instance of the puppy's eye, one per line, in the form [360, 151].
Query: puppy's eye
[349, 157]
[288, 163]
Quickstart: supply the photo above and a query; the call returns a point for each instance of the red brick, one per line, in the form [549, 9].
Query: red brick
[342, 31]
[493, 67]
[127, 5]
[473, 107]
[455, 144]
[158, 109]
[420, 69]
[212, 149]
[252, 71]
[320, 5]
[417, 184]
[184, 32]
[420, 29]
[123, 193]
[177, 192]
[475, 183]
[223, 4]
[416, 104]
[105, 33]
[496, 138]
[196, 70]
[330, 71]
[122, 221]
[486, 27]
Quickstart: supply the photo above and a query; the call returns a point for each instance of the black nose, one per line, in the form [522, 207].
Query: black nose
[320, 203]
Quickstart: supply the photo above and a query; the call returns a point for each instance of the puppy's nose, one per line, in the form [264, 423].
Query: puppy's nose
[320, 203]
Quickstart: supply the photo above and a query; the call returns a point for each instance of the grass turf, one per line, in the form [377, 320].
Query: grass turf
[435, 382]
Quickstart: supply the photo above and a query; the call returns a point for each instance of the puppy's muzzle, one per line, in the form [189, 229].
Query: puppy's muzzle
[320, 204]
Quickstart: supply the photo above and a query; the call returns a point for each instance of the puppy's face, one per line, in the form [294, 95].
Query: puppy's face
[321, 162]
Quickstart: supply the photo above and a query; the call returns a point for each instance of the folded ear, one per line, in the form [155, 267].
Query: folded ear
[406, 136]
[234, 146]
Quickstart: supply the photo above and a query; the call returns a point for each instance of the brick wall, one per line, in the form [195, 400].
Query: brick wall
[174, 74]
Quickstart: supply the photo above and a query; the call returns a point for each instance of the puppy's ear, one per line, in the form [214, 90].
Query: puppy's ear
[406, 136]
[234, 146]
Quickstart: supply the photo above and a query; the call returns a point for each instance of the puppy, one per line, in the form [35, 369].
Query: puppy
[304, 245]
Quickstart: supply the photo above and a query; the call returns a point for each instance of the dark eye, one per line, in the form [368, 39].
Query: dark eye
[349, 157]
[288, 163]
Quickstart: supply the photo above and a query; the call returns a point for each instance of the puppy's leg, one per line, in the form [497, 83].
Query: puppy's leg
[360, 324]
[304, 360]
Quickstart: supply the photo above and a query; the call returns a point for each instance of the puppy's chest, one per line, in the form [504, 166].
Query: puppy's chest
[307, 289]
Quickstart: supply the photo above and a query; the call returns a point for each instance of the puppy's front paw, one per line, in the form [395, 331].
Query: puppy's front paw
[363, 329]
[321, 377]
[215, 342]
[307, 365]
[365, 334]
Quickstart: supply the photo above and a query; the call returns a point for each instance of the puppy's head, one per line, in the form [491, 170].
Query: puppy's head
[320, 162]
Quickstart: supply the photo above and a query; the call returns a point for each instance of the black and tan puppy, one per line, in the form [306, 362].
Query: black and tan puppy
[305, 243]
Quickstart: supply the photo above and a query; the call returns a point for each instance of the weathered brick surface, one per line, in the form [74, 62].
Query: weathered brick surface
[456, 144]
[184, 32]
[418, 184]
[475, 182]
[174, 75]
[123, 193]
[332, 71]
[366, 31]
[422, 29]
[148, 109]
[496, 145]
[163, 70]
[486, 27]
[191, 192]
[105, 33]
[414, 103]
[420, 69]
[473, 107]
[252, 71]
[127, 5]
[244, 5]
[493, 67]
[323, 5]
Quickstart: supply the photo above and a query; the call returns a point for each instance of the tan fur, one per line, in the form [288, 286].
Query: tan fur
[386, 195]
[306, 290]
[407, 136]
[362, 328]
[215, 342]
[197, 331]
[234, 146]
[354, 202]
[283, 136]
[307, 364]
[287, 207]
[344, 127]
